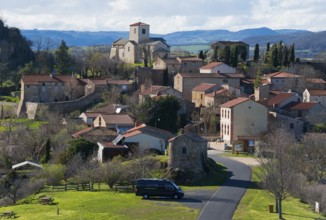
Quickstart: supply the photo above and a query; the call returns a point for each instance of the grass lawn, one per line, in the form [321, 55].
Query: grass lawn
[33, 124]
[100, 204]
[254, 205]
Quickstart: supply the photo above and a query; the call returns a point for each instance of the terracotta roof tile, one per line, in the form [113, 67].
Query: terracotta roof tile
[118, 119]
[78, 133]
[275, 100]
[234, 102]
[211, 65]
[202, 87]
[282, 75]
[316, 80]
[221, 92]
[146, 129]
[303, 106]
[317, 92]
[138, 24]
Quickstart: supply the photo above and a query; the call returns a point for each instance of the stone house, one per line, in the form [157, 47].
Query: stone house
[315, 95]
[190, 64]
[51, 88]
[222, 95]
[188, 152]
[185, 82]
[139, 46]
[242, 120]
[89, 117]
[222, 44]
[199, 92]
[284, 81]
[217, 67]
[144, 75]
[282, 99]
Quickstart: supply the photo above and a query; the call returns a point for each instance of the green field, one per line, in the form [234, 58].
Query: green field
[33, 124]
[100, 204]
[254, 205]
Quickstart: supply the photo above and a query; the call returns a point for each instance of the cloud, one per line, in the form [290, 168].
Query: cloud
[164, 16]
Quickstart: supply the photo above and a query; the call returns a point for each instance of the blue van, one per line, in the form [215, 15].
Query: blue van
[148, 187]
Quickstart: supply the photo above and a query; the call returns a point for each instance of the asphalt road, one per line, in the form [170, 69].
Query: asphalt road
[224, 201]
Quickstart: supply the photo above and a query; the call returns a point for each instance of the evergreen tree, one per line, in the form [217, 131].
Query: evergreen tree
[256, 53]
[201, 55]
[292, 54]
[267, 55]
[257, 81]
[285, 56]
[227, 54]
[234, 56]
[274, 56]
[214, 57]
[62, 59]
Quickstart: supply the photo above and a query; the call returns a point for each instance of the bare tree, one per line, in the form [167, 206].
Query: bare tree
[277, 172]
[113, 171]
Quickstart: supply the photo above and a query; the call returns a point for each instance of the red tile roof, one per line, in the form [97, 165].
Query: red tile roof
[316, 80]
[211, 65]
[201, 75]
[317, 92]
[36, 79]
[275, 100]
[221, 92]
[234, 102]
[138, 24]
[282, 75]
[78, 133]
[303, 106]
[202, 87]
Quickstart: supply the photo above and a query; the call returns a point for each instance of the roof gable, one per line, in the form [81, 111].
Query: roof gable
[234, 102]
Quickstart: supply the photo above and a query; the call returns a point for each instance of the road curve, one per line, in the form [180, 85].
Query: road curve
[224, 201]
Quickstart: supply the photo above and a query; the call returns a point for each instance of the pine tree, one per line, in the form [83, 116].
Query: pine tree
[201, 55]
[256, 53]
[292, 54]
[267, 55]
[234, 56]
[62, 59]
[274, 56]
[227, 54]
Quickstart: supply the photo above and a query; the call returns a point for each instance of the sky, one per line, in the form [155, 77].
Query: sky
[163, 16]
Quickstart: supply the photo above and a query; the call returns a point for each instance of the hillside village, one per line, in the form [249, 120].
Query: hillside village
[201, 99]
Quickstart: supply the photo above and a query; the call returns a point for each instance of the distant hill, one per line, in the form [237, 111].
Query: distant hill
[309, 42]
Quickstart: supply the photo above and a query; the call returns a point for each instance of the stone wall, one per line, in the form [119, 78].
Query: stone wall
[32, 108]
[188, 152]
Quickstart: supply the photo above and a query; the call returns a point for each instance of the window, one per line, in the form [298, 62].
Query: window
[100, 121]
[27, 86]
[201, 96]
[143, 31]
[128, 49]
[135, 30]
[291, 125]
[225, 80]
[43, 84]
[184, 150]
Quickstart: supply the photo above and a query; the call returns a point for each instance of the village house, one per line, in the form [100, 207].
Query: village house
[139, 46]
[217, 67]
[315, 95]
[89, 117]
[243, 47]
[96, 134]
[185, 82]
[144, 138]
[242, 120]
[222, 95]
[199, 92]
[145, 75]
[188, 152]
[119, 122]
[284, 81]
[50, 88]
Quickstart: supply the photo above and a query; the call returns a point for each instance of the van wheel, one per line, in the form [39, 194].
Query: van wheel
[145, 196]
[176, 196]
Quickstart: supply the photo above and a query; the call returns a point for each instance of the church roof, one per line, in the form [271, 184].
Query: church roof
[139, 24]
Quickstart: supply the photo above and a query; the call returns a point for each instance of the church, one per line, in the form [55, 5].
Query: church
[140, 47]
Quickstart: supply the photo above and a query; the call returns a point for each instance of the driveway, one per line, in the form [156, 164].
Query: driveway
[223, 202]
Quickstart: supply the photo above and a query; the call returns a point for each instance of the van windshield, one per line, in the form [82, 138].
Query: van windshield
[175, 185]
